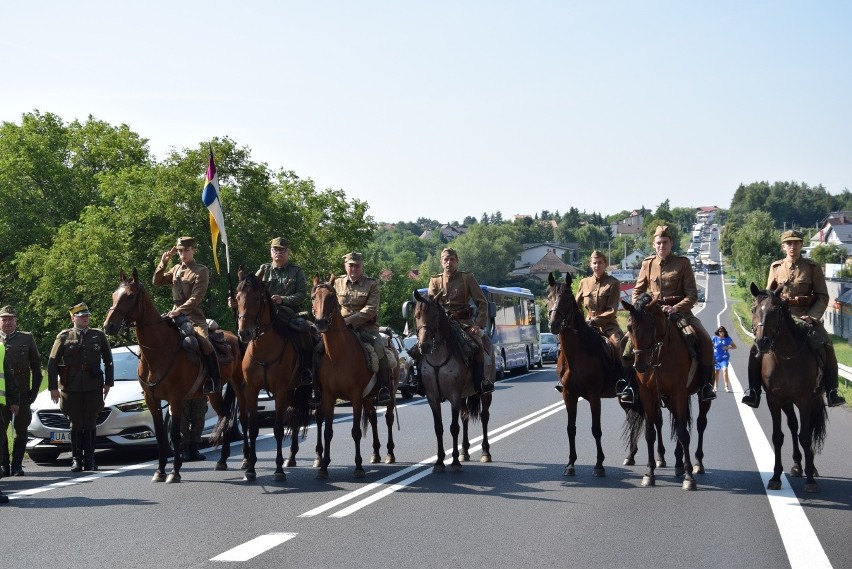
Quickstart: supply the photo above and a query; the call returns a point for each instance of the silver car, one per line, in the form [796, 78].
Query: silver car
[549, 347]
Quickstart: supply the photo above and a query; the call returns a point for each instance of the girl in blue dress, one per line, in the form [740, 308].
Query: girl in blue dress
[721, 344]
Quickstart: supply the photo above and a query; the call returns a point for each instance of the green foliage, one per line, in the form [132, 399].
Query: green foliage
[755, 246]
[791, 203]
[828, 253]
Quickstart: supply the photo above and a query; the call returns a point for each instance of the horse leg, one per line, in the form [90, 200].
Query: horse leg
[318, 449]
[390, 457]
[652, 414]
[278, 432]
[455, 429]
[328, 413]
[484, 416]
[793, 424]
[807, 442]
[701, 423]
[162, 438]
[683, 437]
[357, 410]
[295, 425]
[661, 449]
[464, 456]
[439, 434]
[571, 407]
[595, 404]
[253, 427]
[177, 442]
[372, 417]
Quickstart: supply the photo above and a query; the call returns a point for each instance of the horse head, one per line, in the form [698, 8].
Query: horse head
[428, 322]
[644, 323]
[324, 302]
[125, 309]
[767, 317]
[254, 306]
[561, 305]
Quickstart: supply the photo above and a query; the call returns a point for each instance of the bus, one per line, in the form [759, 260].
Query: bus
[513, 326]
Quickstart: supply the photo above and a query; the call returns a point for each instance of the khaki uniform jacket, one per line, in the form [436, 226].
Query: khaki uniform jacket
[288, 282]
[359, 302]
[803, 278]
[455, 291]
[667, 281]
[11, 395]
[24, 362]
[600, 297]
[189, 285]
[82, 356]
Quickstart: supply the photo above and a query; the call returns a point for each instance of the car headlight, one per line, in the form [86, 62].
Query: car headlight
[132, 406]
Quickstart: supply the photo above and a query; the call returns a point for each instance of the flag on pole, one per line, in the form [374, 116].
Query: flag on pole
[210, 197]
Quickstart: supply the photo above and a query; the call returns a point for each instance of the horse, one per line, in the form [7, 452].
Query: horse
[447, 376]
[344, 373]
[169, 373]
[271, 362]
[789, 384]
[582, 370]
[666, 374]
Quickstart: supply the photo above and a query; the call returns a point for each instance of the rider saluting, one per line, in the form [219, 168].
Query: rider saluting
[803, 290]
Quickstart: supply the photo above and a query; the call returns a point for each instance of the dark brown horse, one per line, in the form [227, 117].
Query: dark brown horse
[167, 372]
[343, 373]
[447, 376]
[790, 375]
[271, 362]
[667, 376]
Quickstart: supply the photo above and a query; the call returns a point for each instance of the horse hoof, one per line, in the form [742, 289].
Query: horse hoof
[359, 473]
[322, 474]
[465, 457]
[244, 464]
[569, 471]
[648, 481]
[628, 462]
[317, 463]
[221, 466]
[279, 477]
[599, 472]
[485, 458]
[811, 487]
[689, 485]
[375, 458]
[158, 477]
[816, 472]
[774, 485]
[796, 471]
[455, 467]
[390, 459]
[661, 464]
[679, 471]
[249, 476]
[173, 478]
[290, 463]
[438, 468]
[698, 469]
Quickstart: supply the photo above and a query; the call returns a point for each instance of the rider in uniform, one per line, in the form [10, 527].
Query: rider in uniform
[8, 398]
[670, 281]
[189, 281]
[454, 290]
[803, 290]
[358, 296]
[75, 367]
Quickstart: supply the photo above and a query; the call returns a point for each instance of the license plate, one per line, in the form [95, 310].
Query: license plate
[60, 438]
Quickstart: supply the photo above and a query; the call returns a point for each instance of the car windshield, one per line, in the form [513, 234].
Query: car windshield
[409, 342]
[124, 364]
[547, 338]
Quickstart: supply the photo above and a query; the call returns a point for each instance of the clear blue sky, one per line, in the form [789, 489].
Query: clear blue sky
[447, 109]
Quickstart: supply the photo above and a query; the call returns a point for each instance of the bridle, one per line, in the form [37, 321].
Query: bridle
[766, 342]
[562, 318]
[431, 331]
[654, 351]
[258, 329]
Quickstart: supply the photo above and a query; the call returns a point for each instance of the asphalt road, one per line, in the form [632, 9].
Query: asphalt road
[516, 511]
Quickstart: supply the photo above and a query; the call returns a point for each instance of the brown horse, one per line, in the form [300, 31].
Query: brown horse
[447, 376]
[343, 373]
[167, 372]
[588, 367]
[789, 384]
[271, 362]
[667, 377]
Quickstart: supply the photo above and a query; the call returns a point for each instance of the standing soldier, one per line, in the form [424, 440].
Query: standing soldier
[25, 366]
[75, 367]
[358, 296]
[454, 290]
[189, 281]
[8, 397]
[804, 291]
[192, 427]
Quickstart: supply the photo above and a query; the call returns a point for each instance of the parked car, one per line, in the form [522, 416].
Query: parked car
[124, 422]
[701, 295]
[549, 347]
[405, 362]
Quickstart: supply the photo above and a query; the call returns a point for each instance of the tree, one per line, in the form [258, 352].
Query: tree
[488, 251]
[828, 253]
[755, 247]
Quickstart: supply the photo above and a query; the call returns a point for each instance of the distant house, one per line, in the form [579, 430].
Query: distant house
[630, 225]
[447, 232]
[706, 214]
[633, 260]
[836, 229]
[538, 259]
[549, 263]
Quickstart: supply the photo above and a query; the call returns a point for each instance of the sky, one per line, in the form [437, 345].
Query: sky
[448, 109]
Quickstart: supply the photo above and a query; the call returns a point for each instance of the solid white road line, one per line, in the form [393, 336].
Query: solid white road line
[254, 547]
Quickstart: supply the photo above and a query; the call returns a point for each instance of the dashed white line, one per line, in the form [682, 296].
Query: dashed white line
[254, 547]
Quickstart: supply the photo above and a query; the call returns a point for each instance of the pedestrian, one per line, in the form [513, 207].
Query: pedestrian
[191, 427]
[25, 366]
[79, 384]
[721, 344]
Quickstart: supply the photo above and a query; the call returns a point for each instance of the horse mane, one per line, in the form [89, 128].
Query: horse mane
[444, 328]
[590, 339]
[643, 301]
[252, 281]
[799, 335]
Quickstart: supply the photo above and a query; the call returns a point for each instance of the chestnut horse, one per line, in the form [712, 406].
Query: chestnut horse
[446, 376]
[271, 362]
[344, 374]
[167, 372]
[583, 372]
[790, 375]
[667, 377]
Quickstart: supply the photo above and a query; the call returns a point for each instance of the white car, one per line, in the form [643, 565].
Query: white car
[124, 422]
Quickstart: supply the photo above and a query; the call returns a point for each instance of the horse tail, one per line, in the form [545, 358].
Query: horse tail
[473, 405]
[301, 412]
[634, 424]
[819, 419]
[688, 419]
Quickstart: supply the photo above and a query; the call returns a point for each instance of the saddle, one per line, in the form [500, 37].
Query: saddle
[190, 342]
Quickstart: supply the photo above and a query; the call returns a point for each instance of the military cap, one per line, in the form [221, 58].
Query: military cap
[663, 231]
[280, 243]
[80, 310]
[449, 252]
[7, 311]
[185, 242]
[598, 254]
[353, 258]
[792, 235]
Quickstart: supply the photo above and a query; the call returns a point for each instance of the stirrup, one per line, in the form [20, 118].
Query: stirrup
[558, 387]
[627, 396]
[307, 377]
[209, 386]
[487, 387]
[751, 398]
[708, 393]
[383, 397]
[834, 399]
[315, 399]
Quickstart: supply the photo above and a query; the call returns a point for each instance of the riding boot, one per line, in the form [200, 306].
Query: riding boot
[707, 374]
[18, 449]
[752, 395]
[76, 450]
[5, 469]
[214, 382]
[89, 450]
[306, 363]
[191, 454]
[829, 381]
[384, 396]
[418, 386]
[628, 394]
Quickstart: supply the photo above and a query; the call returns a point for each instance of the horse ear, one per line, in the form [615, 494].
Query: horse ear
[121, 277]
[135, 275]
[316, 279]
[418, 297]
[568, 278]
[627, 306]
[241, 273]
[550, 280]
[331, 278]
[754, 290]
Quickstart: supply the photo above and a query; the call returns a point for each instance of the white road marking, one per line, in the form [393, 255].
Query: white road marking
[254, 547]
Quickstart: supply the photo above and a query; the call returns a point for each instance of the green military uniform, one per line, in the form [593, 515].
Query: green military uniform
[192, 427]
[600, 298]
[25, 367]
[8, 395]
[288, 282]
